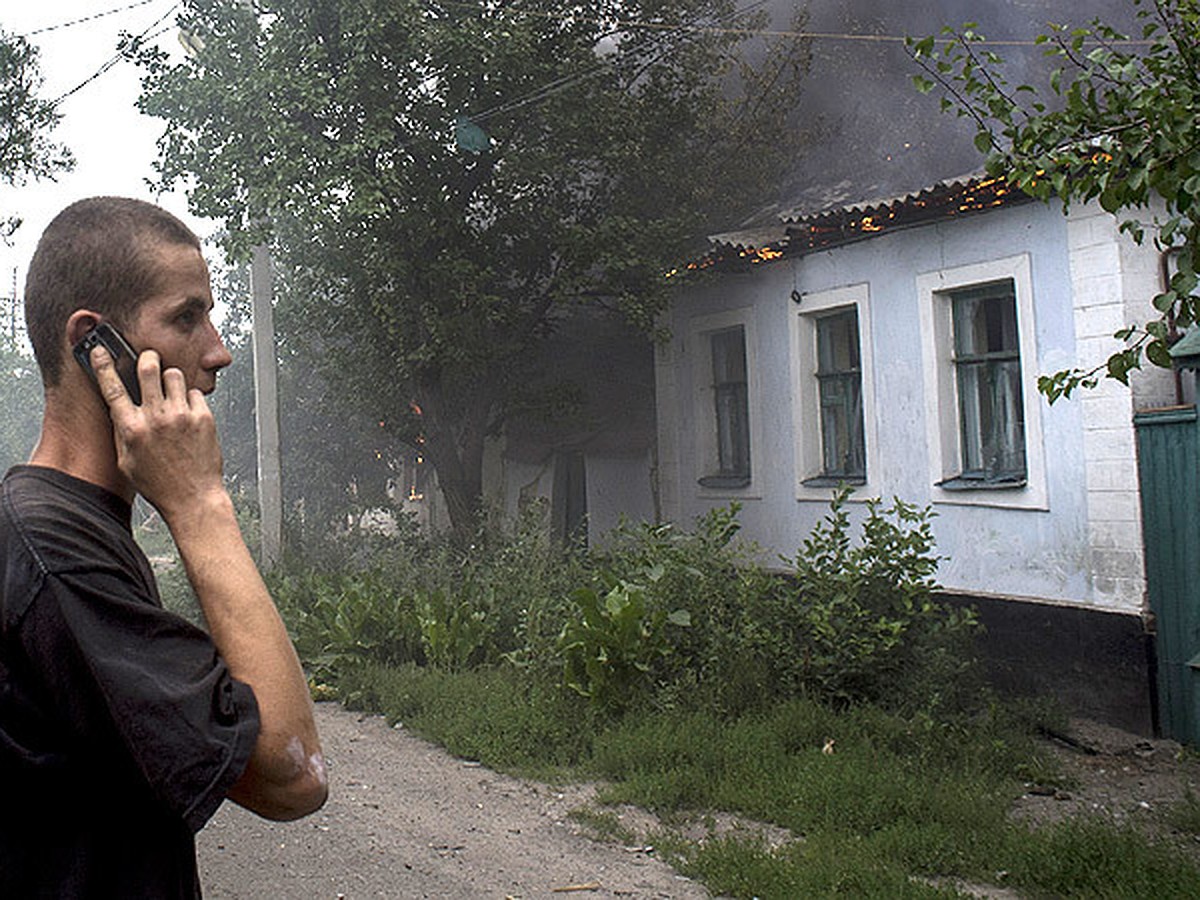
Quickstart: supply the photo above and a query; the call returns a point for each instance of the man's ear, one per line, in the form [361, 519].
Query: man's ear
[80, 323]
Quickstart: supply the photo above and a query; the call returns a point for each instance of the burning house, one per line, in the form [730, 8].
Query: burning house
[894, 345]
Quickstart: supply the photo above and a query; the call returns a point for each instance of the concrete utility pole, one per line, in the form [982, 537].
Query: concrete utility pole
[266, 408]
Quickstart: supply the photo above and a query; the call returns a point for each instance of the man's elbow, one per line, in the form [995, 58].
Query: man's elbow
[302, 798]
[283, 800]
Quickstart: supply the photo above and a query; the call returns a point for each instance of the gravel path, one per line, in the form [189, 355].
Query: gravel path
[406, 819]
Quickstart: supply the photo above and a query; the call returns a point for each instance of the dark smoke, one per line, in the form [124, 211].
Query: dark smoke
[870, 133]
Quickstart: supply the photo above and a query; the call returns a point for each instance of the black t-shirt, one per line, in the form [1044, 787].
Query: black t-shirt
[121, 729]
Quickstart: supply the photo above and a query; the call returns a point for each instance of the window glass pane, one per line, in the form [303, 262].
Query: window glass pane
[729, 356]
[988, 373]
[731, 401]
[837, 342]
[843, 448]
[985, 321]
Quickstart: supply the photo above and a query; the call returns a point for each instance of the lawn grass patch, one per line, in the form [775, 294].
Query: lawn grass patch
[824, 866]
[492, 715]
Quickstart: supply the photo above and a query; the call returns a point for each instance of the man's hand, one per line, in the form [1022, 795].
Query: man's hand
[167, 447]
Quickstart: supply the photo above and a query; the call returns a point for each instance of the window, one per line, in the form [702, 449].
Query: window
[833, 393]
[725, 414]
[731, 409]
[979, 352]
[839, 380]
[987, 363]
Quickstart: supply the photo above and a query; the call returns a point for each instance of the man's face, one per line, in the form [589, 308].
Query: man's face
[175, 319]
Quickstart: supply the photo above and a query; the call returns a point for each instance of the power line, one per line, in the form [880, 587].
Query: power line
[99, 15]
[566, 82]
[117, 57]
[633, 24]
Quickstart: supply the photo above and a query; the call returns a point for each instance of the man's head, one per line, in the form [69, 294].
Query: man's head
[102, 254]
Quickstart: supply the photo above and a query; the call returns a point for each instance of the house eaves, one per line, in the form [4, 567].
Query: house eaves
[801, 232]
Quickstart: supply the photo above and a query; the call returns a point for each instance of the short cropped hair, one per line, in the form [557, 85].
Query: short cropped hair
[96, 254]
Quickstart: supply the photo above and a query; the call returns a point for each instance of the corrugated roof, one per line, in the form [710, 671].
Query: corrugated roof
[802, 230]
[800, 213]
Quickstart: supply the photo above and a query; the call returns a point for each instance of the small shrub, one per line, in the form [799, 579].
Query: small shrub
[344, 618]
[711, 576]
[858, 621]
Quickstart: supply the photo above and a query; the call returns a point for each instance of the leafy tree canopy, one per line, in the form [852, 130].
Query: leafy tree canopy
[1118, 123]
[25, 120]
[444, 181]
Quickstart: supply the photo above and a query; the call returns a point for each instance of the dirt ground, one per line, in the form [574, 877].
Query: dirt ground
[407, 820]
[1111, 773]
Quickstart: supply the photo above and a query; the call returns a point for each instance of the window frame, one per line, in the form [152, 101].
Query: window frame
[992, 363]
[710, 483]
[811, 480]
[841, 378]
[943, 419]
[731, 410]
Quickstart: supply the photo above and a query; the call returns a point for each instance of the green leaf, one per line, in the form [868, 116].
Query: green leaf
[1159, 354]
[1165, 301]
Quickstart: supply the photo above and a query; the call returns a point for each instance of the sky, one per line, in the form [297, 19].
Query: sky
[113, 144]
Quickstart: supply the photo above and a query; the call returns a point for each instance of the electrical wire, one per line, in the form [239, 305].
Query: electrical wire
[99, 15]
[118, 56]
[567, 82]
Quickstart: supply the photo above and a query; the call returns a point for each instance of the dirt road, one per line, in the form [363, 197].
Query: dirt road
[407, 820]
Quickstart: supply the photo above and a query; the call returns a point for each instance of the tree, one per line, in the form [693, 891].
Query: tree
[20, 403]
[333, 463]
[1119, 124]
[25, 121]
[444, 182]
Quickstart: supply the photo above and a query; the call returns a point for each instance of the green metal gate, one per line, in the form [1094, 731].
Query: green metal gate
[1169, 472]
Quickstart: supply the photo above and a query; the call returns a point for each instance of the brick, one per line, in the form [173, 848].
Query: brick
[1098, 259]
[1099, 320]
[1115, 535]
[1111, 475]
[1112, 410]
[1111, 506]
[1107, 443]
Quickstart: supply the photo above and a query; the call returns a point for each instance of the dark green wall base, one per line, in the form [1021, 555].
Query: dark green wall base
[1098, 665]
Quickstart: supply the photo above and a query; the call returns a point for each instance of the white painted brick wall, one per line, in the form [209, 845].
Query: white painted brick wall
[1104, 274]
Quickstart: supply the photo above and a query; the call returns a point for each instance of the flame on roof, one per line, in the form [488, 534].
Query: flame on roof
[800, 232]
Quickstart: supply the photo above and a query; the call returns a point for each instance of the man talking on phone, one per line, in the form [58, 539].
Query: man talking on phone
[122, 726]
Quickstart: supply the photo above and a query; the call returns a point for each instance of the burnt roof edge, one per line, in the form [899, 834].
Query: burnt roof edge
[799, 234]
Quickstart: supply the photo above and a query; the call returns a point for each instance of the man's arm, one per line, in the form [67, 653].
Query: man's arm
[168, 449]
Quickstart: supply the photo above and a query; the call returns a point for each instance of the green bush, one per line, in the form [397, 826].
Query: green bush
[453, 630]
[664, 617]
[343, 618]
[712, 577]
[857, 621]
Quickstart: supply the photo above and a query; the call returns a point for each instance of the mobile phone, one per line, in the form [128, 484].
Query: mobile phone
[118, 348]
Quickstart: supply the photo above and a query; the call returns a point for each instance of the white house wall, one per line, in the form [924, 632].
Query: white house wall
[618, 487]
[1075, 539]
